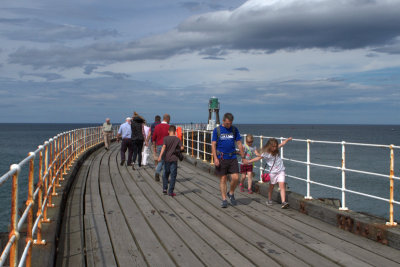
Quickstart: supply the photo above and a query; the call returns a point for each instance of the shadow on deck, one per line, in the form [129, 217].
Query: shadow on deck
[119, 217]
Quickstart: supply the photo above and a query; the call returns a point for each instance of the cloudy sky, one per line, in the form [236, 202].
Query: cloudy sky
[268, 61]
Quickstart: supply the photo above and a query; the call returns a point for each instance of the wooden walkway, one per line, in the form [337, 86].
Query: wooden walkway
[119, 217]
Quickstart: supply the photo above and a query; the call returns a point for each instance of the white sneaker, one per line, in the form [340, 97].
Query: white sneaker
[269, 202]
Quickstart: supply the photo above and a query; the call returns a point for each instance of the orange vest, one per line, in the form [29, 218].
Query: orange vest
[179, 133]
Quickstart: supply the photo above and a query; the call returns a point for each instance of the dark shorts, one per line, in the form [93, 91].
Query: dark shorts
[227, 166]
[246, 168]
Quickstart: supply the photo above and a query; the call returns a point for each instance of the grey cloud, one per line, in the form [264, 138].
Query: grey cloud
[214, 58]
[241, 69]
[90, 68]
[257, 25]
[115, 75]
[46, 76]
[36, 30]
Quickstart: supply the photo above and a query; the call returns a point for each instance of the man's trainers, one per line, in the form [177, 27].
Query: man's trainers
[157, 177]
[133, 166]
[285, 205]
[122, 162]
[171, 194]
[232, 199]
[165, 192]
[224, 204]
[268, 202]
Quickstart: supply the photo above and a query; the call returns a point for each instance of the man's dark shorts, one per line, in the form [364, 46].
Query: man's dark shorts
[227, 166]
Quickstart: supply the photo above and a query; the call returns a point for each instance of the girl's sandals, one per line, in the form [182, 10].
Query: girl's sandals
[241, 188]
[249, 191]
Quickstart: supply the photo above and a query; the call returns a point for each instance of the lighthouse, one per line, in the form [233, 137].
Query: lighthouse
[213, 107]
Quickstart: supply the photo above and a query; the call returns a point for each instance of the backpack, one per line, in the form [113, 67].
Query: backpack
[235, 131]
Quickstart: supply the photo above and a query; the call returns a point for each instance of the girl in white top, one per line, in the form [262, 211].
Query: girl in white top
[276, 168]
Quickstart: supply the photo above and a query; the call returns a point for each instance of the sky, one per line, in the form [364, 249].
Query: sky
[268, 61]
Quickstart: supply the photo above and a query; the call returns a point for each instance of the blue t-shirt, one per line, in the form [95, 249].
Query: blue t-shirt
[226, 142]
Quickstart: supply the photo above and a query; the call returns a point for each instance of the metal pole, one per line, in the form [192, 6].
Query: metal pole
[308, 170]
[187, 142]
[205, 148]
[38, 240]
[281, 147]
[391, 220]
[29, 201]
[192, 143]
[14, 216]
[198, 144]
[343, 207]
[46, 181]
[261, 161]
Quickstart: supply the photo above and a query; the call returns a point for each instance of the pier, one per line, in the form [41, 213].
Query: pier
[88, 210]
[119, 217]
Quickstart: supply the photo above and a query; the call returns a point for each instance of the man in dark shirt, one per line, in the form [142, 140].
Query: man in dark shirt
[170, 145]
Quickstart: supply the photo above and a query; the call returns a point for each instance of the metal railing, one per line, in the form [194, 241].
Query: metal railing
[55, 158]
[198, 144]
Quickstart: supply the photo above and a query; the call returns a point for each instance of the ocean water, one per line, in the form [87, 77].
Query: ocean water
[16, 140]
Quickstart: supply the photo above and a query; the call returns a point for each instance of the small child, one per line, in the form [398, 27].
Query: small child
[250, 152]
[169, 149]
[276, 168]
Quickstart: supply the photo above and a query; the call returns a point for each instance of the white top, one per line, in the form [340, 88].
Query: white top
[146, 131]
[277, 167]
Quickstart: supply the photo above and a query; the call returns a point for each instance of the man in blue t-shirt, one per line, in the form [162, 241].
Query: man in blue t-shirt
[224, 152]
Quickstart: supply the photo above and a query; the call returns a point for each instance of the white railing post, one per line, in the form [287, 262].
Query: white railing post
[343, 207]
[261, 161]
[198, 144]
[187, 142]
[308, 196]
[391, 174]
[281, 147]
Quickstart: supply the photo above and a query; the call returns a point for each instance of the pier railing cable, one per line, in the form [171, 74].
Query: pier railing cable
[198, 145]
[55, 157]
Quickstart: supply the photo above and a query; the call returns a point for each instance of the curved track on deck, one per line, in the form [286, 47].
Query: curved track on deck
[119, 217]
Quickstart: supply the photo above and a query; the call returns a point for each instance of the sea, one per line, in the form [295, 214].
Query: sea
[17, 140]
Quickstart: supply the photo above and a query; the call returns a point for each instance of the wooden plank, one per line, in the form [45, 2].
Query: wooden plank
[309, 233]
[218, 244]
[152, 250]
[307, 251]
[181, 254]
[71, 244]
[224, 228]
[99, 251]
[207, 254]
[125, 249]
[272, 249]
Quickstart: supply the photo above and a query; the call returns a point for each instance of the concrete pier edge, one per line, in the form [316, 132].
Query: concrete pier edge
[357, 223]
[45, 255]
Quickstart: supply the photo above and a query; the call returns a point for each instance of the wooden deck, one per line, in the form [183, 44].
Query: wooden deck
[119, 217]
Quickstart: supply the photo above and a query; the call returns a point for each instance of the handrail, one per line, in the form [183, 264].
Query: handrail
[55, 157]
[198, 147]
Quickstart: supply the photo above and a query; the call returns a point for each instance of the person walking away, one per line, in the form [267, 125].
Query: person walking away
[160, 131]
[171, 145]
[276, 168]
[107, 133]
[125, 133]
[138, 135]
[250, 152]
[146, 149]
[157, 121]
[224, 139]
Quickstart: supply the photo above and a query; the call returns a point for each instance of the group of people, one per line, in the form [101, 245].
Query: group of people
[136, 138]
